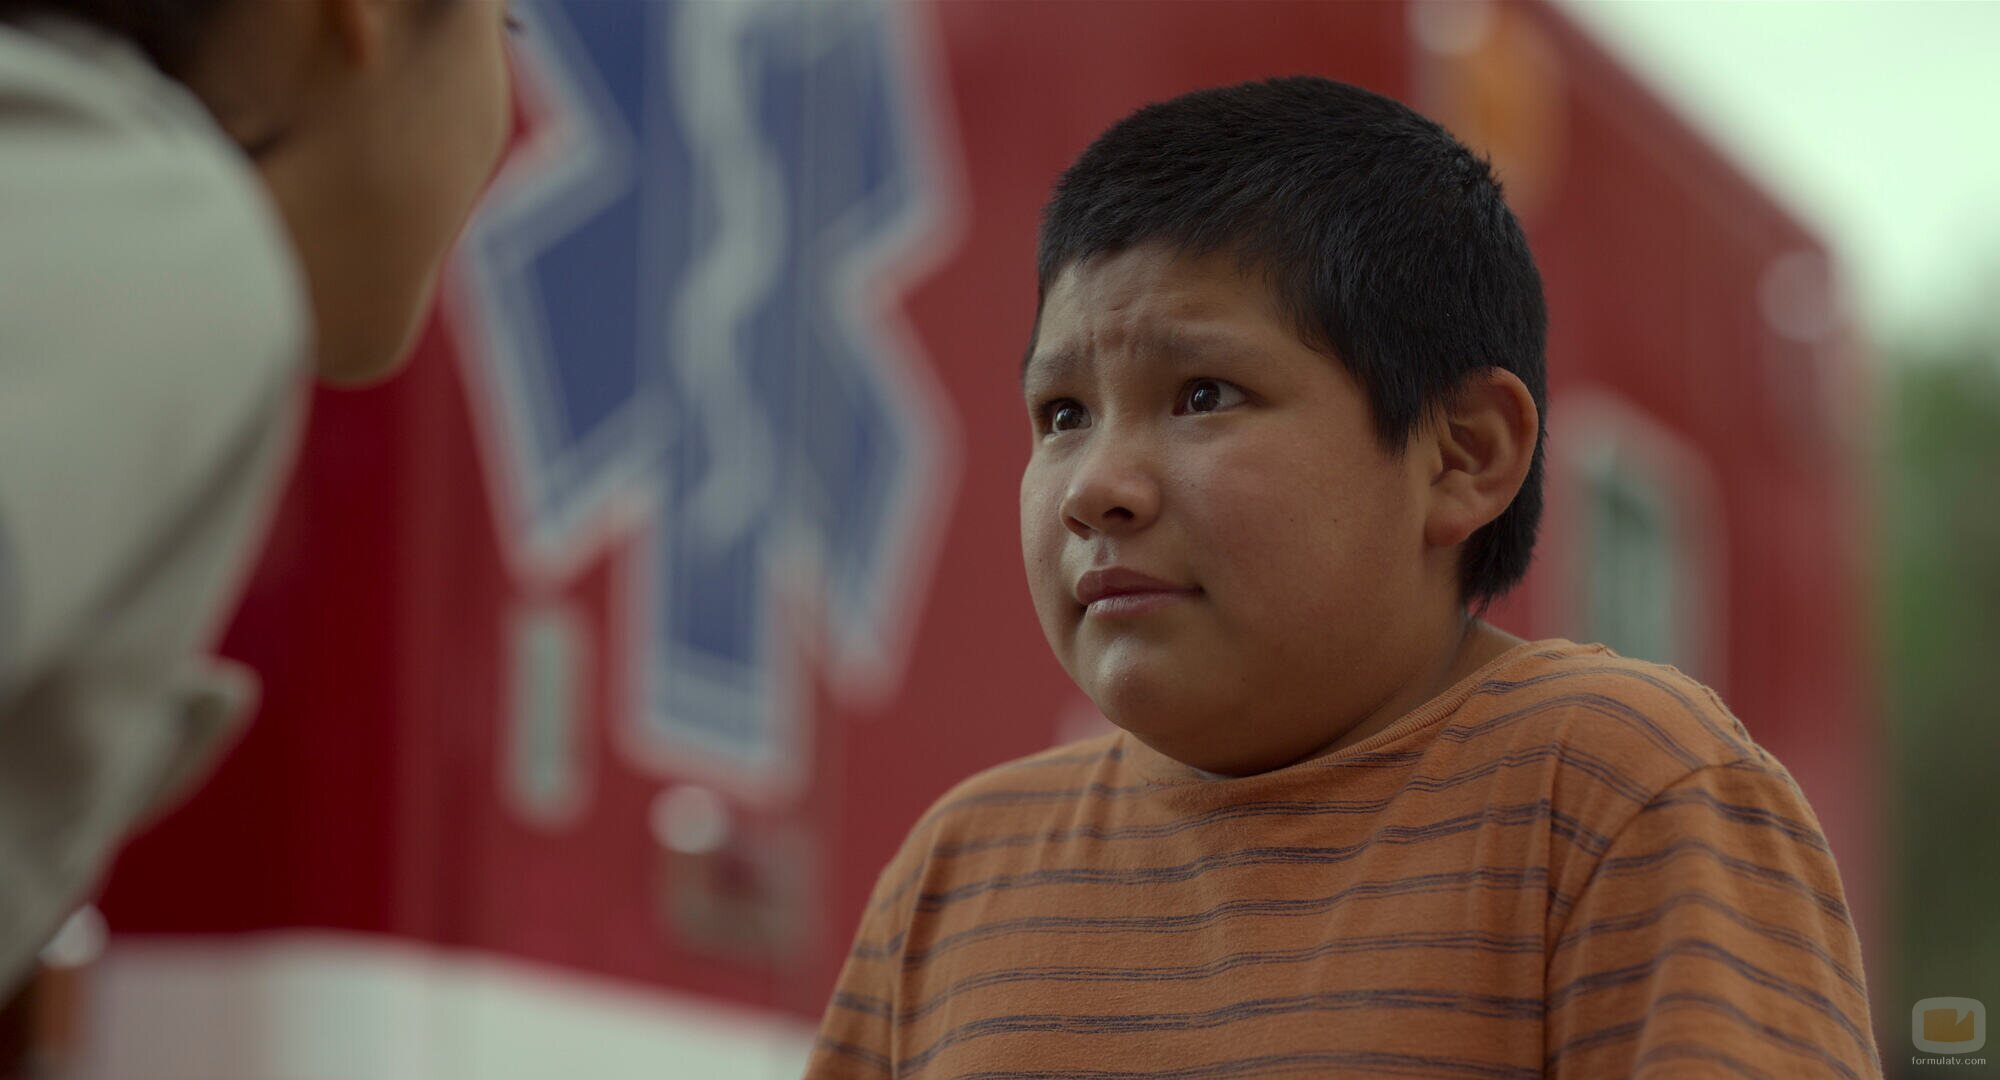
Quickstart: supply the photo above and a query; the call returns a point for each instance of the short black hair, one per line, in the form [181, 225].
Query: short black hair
[1386, 240]
[167, 31]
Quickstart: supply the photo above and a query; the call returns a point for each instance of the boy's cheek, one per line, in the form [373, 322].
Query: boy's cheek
[1054, 609]
[1041, 558]
[1033, 488]
[1041, 518]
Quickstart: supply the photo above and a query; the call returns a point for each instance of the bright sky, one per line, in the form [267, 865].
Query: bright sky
[1877, 122]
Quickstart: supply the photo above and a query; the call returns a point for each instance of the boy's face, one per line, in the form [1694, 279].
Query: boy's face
[1183, 432]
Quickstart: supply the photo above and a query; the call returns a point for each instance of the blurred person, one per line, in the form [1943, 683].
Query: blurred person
[1285, 390]
[202, 202]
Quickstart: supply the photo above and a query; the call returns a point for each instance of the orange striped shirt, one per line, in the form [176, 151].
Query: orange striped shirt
[1571, 863]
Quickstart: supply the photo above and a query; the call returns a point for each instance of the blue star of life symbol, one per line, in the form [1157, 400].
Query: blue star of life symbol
[681, 284]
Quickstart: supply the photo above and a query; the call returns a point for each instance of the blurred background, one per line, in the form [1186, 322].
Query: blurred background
[610, 651]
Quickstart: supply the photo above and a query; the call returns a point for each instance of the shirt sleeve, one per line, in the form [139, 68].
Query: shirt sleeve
[1713, 939]
[857, 1034]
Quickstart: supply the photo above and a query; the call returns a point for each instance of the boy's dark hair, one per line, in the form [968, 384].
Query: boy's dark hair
[167, 31]
[1386, 240]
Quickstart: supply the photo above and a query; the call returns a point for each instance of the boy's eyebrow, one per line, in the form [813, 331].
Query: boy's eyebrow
[1048, 365]
[1197, 343]
[1180, 343]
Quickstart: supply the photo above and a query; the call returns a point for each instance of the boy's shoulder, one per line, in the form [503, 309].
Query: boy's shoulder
[1642, 725]
[1653, 719]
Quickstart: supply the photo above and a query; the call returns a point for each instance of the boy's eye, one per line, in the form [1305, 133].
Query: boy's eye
[1064, 414]
[1209, 395]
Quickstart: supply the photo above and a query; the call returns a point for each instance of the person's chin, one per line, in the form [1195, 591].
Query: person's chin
[1211, 749]
[374, 341]
[356, 365]
[1137, 678]
[1159, 709]
[1169, 711]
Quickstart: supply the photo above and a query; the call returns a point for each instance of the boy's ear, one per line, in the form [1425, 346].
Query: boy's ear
[1483, 443]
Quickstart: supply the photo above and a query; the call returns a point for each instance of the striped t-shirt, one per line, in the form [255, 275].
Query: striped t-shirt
[1571, 863]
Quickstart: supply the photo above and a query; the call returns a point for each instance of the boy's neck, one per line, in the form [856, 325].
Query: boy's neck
[1478, 643]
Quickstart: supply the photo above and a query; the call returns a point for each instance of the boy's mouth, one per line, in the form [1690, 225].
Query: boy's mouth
[1116, 591]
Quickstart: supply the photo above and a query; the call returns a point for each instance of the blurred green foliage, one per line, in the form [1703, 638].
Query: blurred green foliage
[1940, 526]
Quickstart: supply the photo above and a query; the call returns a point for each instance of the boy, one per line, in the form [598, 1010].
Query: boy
[1286, 388]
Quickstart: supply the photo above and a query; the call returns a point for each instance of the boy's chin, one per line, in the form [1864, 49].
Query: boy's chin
[1215, 741]
[1204, 754]
[1198, 740]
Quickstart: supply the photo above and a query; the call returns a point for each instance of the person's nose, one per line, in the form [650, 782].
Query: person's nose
[1113, 490]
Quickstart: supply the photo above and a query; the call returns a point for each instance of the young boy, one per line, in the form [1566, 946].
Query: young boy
[1286, 388]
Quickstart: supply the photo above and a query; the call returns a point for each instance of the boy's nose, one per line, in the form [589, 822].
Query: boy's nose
[1110, 492]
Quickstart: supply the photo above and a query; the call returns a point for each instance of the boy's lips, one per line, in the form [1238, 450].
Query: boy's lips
[1116, 590]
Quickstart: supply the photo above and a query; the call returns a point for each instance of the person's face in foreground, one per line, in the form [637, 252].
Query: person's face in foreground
[1188, 444]
[376, 124]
